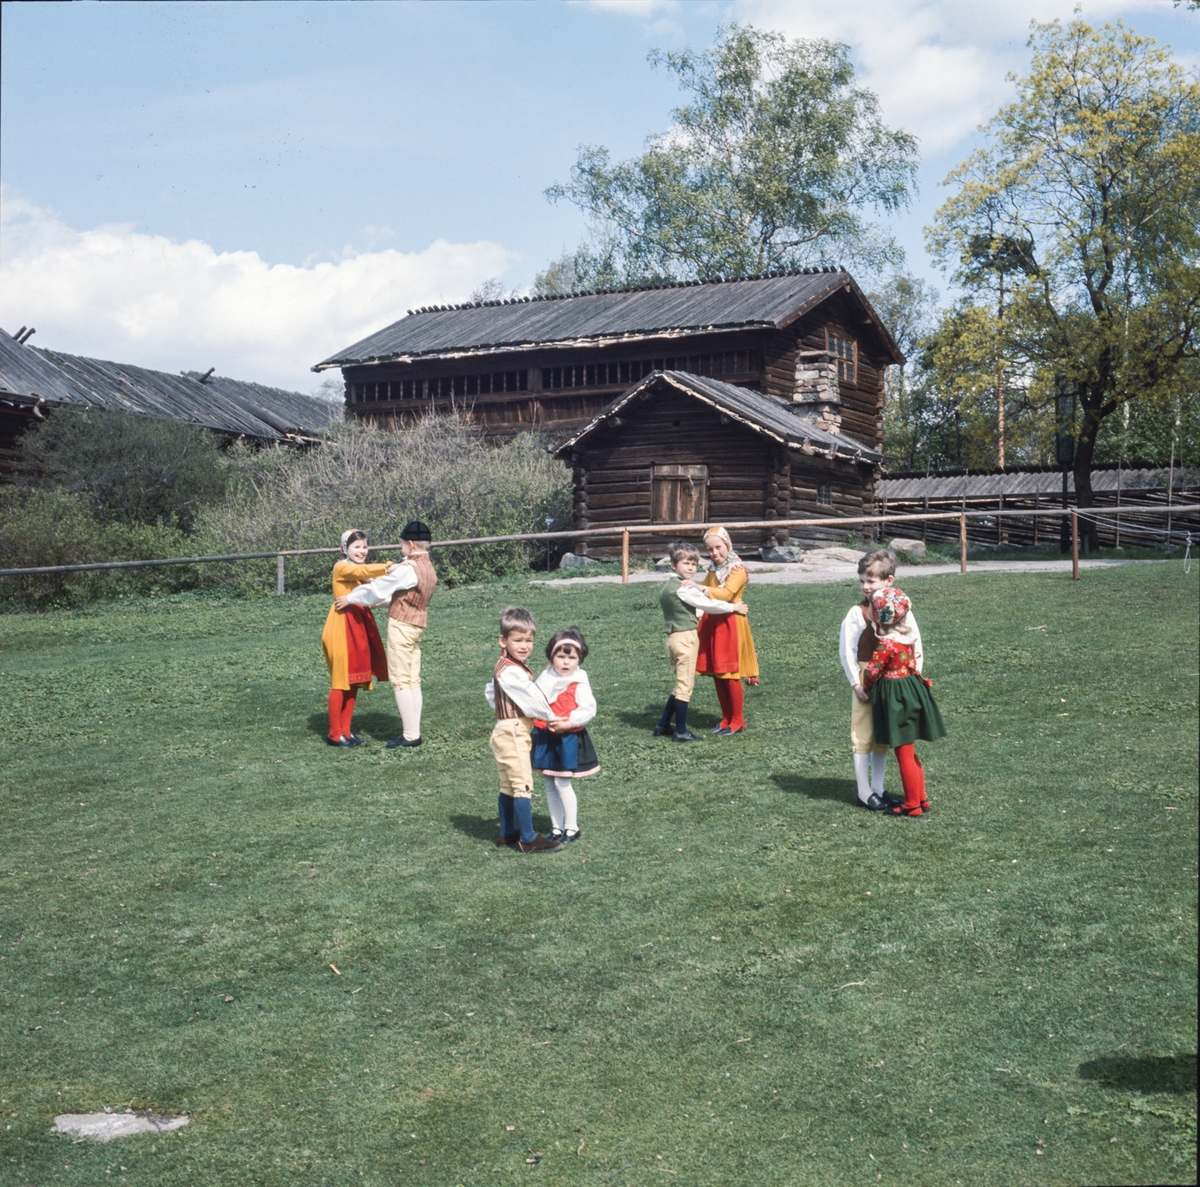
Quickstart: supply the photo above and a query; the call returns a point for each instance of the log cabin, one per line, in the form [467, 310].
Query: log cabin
[614, 376]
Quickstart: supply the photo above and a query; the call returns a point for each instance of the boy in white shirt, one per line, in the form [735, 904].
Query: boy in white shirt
[517, 702]
[856, 644]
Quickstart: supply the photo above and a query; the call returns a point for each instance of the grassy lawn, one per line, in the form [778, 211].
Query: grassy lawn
[735, 977]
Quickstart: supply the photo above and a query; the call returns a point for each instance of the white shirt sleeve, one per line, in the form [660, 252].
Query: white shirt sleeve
[524, 693]
[489, 692]
[918, 652]
[853, 626]
[585, 702]
[699, 600]
[381, 590]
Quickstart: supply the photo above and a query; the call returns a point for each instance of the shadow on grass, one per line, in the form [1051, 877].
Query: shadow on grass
[1151, 1073]
[483, 828]
[843, 790]
[381, 727]
[646, 719]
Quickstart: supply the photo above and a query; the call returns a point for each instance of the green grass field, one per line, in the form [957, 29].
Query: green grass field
[735, 977]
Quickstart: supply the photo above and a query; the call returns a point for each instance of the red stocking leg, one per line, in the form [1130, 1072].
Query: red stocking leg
[336, 696]
[348, 710]
[911, 775]
[722, 687]
[736, 720]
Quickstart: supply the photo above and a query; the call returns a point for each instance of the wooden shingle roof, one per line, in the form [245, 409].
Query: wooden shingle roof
[762, 414]
[696, 307]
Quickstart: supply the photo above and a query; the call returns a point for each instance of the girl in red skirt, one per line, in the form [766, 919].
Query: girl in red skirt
[353, 648]
[726, 645]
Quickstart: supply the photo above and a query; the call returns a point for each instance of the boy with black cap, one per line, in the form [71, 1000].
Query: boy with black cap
[408, 588]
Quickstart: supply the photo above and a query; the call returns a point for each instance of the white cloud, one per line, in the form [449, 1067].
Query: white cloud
[117, 293]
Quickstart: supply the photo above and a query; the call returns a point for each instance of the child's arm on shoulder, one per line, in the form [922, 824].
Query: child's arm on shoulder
[697, 596]
[524, 693]
[382, 589]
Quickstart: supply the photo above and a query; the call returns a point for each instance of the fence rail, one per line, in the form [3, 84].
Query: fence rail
[939, 518]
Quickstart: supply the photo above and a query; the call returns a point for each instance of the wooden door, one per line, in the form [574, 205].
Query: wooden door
[679, 494]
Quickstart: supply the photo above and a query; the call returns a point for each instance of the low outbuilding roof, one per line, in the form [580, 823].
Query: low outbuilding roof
[692, 307]
[31, 375]
[763, 414]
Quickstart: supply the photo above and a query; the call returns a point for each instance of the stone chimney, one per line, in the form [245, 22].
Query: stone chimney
[816, 393]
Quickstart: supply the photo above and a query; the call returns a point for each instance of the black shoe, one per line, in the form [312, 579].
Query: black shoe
[539, 845]
[888, 798]
[661, 731]
[557, 834]
[717, 729]
[874, 803]
[687, 736]
[355, 740]
[726, 732]
[401, 741]
[567, 838]
[342, 741]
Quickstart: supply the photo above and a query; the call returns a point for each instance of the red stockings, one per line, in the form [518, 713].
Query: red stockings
[341, 712]
[729, 693]
[912, 775]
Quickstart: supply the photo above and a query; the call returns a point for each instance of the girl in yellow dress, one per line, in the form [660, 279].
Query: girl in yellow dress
[726, 645]
[353, 649]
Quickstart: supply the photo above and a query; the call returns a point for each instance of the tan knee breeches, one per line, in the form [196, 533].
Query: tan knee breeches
[862, 724]
[683, 649]
[404, 654]
[511, 743]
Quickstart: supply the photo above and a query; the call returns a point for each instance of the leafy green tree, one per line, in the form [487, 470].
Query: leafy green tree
[772, 164]
[131, 468]
[1090, 178]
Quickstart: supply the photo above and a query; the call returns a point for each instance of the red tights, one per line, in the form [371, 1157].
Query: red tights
[341, 712]
[912, 775]
[729, 693]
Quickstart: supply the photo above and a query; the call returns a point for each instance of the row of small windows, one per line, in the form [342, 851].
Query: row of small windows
[729, 362]
[489, 383]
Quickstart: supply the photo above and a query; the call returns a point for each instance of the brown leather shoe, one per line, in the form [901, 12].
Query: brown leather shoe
[540, 845]
[502, 840]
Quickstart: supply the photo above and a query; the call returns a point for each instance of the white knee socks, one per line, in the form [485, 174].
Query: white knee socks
[409, 701]
[878, 768]
[862, 768]
[564, 807]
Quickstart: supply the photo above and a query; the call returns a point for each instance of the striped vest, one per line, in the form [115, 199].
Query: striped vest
[412, 605]
[506, 709]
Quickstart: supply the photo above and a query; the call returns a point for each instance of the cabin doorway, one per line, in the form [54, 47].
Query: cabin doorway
[679, 494]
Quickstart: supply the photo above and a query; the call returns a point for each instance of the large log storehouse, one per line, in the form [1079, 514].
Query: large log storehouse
[740, 399]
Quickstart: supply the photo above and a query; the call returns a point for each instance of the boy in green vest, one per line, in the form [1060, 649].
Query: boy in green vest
[683, 601]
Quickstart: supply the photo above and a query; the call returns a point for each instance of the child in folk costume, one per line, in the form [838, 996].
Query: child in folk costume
[353, 648]
[407, 588]
[517, 702]
[856, 644]
[902, 706]
[726, 645]
[562, 753]
[682, 602]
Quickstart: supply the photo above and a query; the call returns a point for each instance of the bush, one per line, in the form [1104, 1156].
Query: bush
[58, 527]
[440, 471]
[131, 468]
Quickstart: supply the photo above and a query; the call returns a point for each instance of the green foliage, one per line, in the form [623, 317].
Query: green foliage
[131, 468]
[45, 526]
[1086, 202]
[441, 471]
[1026, 954]
[771, 165]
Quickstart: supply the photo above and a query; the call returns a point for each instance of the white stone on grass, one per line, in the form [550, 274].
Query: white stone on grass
[106, 1126]
[915, 548]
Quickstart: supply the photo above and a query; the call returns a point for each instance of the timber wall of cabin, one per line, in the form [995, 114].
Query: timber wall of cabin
[750, 476]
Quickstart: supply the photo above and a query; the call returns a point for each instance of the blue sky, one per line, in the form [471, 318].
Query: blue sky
[253, 186]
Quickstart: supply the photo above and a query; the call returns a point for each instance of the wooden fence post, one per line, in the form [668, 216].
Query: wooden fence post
[1074, 545]
[279, 575]
[962, 543]
[625, 557]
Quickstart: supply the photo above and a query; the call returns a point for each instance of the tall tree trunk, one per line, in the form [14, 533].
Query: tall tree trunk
[1085, 451]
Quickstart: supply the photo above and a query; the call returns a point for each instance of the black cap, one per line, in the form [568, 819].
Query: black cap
[417, 531]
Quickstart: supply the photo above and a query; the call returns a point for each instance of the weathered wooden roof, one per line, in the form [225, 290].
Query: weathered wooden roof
[1024, 484]
[762, 414]
[29, 374]
[694, 307]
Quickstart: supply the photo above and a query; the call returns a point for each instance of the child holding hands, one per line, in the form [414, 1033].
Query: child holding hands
[562, 748]
[902, 706]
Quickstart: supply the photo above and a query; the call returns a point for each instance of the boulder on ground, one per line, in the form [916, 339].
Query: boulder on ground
[663, 564]
[782, 554]
[914, 548]
[832, 556]
[572, 560]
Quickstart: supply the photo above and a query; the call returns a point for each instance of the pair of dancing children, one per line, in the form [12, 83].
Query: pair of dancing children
[892, 706]
[354, 652]
[540, 725]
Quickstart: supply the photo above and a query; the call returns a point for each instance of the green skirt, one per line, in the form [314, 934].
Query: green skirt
[904, 711]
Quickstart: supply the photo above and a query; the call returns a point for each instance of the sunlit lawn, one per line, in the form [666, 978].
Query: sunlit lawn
[737, 976]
